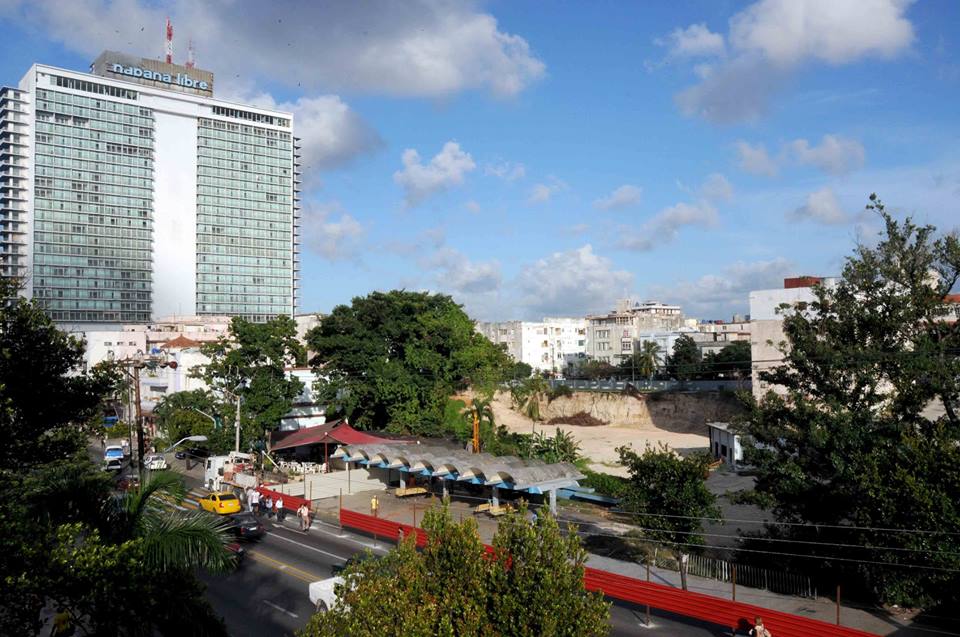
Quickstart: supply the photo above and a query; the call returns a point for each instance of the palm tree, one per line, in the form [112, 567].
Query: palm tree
[535, 390]
[480, 412]
[172, 539]
[648, 359]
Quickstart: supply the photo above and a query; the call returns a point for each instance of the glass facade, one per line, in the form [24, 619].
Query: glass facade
[93, 206]
[245, 220]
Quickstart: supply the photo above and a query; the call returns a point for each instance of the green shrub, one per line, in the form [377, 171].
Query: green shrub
[604, 483]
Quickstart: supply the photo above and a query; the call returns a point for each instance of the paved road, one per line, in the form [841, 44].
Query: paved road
[268, 594]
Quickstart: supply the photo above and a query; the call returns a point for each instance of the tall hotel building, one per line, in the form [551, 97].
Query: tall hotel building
[129, 193]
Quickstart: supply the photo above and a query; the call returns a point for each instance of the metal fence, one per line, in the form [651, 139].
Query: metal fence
[608, 385]
[775, 581]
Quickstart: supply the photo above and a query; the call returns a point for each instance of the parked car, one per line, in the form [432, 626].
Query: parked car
[180, 454]
[128, 482]
[322, 593]
[237, 550]
[198, 452]
[155, 462]
[245, 526]
[112, 464]
[221, 503]
[113, 452]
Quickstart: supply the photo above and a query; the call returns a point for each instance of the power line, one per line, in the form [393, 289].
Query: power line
[801, 524]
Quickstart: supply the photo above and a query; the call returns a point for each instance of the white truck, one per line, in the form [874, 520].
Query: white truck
[235, 469]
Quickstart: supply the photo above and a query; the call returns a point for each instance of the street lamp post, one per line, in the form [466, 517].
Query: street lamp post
[197, 438]
[237, 423]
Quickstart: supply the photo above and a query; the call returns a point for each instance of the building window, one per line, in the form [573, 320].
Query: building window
[603, 346]
[626, 346]
[603, 333]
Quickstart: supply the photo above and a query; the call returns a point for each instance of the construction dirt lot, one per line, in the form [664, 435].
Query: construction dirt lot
[599, 443]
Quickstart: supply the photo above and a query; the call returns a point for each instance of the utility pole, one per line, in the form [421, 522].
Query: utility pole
[136, 386]
[237, 432]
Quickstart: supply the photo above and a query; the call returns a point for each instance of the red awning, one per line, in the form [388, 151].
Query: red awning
[337, 432]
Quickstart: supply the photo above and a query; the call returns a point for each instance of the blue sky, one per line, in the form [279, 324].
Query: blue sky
[540, 159]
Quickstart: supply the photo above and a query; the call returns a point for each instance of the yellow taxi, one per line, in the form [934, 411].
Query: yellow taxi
[220, 503]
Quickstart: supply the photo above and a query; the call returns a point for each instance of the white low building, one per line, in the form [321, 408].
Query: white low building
[551, 345]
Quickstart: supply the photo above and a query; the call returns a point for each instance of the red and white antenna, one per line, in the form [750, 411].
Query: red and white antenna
[168, 43]
[191, 60]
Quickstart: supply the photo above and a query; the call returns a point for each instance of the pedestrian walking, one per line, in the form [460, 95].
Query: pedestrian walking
[304, 514]
[279, 505]
[255, 502]
[759, 630]
[374, 506]
[269, 504]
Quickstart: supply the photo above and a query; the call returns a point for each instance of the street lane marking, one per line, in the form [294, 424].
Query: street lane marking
[340, 536]
[282, 610]
[307, 546]
[284, 567]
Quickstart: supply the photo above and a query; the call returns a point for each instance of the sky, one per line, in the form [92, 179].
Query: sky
[540, 159]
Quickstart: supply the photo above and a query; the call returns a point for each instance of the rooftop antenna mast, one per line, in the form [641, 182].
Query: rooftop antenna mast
[191, 60]
[168, 43]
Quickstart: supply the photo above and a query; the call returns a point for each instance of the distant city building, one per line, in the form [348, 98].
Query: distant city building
[613, 336]
[766, 323]
[550, 345]
[131, 193]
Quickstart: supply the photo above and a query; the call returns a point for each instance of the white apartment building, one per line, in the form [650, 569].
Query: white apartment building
[550, 345]
[131, 193]
[613, 336]
[766, 323]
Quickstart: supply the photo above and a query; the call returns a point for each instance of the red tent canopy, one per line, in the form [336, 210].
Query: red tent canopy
[336, 432]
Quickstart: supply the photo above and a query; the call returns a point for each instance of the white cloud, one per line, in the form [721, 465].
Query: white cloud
[571, 283]
[716, 187]
[472, 206]
[756, 160]
[835, 155]
[412, 49]
[544, 191]
[720, 295]
[506, 170]
[623, 197]
[332, 133]
[694, 41]
[447, 168]
[665, 226]
[335, 239]
[788, 32]
[771, 39]
[456, 273]
[821, 207]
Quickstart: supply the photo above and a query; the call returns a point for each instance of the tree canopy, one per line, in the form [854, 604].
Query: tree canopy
[391, 360]
[530, 585]
[103, 563]
[863, 431]
[668, 497]
[251, 361]
[683, 363]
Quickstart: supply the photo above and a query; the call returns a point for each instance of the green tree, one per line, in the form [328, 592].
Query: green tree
[53, 550]
[391, 360]
[47, 402]
[865, 431]
[531, 585]
[643, 363]
[196, 412]
[479, 414]
[668, 497]
[730, 363]
[533, 392]
[561, 447]
[684, 362]
[251, 361]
